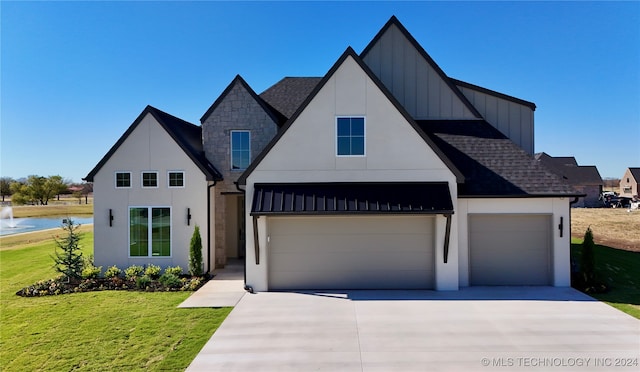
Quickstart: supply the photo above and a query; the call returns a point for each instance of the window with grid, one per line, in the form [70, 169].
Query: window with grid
[350, 136]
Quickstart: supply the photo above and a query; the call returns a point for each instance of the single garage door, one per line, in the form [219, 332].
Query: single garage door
[351, 252]
[510, 249]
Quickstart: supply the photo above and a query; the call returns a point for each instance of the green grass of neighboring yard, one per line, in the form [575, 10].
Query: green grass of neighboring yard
[620, 270]
[52, 210]
[94, 331]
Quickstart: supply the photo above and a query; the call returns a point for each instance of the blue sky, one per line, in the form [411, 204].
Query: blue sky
[75, 75]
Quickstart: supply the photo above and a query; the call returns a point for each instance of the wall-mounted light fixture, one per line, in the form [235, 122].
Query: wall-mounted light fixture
[188, 216]
[561, 226]
[110, 218]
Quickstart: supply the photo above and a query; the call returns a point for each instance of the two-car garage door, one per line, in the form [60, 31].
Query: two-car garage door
[351, 252]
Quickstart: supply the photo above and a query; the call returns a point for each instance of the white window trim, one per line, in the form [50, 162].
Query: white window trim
[150, 232]
[184, 180]
[115, 180]
[231, 149]
[365, 136]
[142, 180]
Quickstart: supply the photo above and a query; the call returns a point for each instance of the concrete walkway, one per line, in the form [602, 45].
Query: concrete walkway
[475, 329]
[225, 289]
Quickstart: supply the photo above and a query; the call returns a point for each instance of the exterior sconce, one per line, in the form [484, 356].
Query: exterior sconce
[110, 218]
[561, 226]
[188, 216]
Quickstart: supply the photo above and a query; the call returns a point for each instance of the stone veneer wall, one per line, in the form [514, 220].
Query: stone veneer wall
[238, 111]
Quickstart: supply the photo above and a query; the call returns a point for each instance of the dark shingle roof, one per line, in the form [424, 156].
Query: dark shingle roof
[188, 136]
[568, 168]
[635, 172]
[289, 93]
[492, 164]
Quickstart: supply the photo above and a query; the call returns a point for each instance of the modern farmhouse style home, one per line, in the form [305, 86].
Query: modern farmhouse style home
[384, 173]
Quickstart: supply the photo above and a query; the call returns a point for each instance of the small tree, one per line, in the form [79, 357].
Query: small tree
[69, 262]
[195, 253]
[587, 259]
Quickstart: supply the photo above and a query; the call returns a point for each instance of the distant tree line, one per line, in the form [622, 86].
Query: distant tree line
[38, 190]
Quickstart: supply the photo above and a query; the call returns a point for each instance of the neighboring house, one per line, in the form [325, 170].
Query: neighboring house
[584, 178]
[383, 173]
[629, 183]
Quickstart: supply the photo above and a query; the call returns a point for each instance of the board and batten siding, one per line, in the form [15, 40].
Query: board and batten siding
[415, 83]
[512, 119]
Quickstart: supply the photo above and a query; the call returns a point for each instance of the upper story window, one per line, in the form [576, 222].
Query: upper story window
[240, 149]
[176, 178]
[123, 179]
[149, 179]
[350, 136]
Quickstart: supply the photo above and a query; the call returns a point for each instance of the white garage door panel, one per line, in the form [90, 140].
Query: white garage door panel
[510, 249]
[354, 252]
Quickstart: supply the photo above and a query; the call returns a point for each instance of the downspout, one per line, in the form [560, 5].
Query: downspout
[447, 236]
[209, 225]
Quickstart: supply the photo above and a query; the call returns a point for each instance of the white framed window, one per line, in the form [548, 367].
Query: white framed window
[149, 179]
[350, 136]
[123, 180]
[149, 231]
[240, 149]
[175, 179]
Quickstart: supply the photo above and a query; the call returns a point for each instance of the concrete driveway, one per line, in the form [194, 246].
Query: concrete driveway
[475, 329]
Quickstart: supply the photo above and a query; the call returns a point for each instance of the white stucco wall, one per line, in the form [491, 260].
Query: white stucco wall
[556, 207]
[307, 153]
[148, 148]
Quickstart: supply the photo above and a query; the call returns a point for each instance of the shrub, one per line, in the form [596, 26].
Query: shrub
[91, 272]
[192, 284]
[170, 281]
[152, 271]
[195, 253]
[69, 262]
[587, 260]
[133, 272]
[176, 270]
[143, 282]
[112, 272]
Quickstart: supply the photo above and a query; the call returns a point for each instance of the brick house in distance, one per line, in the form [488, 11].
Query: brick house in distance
[629, 183]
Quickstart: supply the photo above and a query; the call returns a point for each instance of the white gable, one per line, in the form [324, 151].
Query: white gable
[306, 152]
[412, 80]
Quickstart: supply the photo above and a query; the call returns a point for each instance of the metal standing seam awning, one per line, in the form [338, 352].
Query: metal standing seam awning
[351, 198]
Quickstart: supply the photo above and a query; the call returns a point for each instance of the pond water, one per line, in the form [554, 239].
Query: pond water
[22, 225]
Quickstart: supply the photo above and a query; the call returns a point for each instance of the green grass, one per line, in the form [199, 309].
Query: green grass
[95, 331]
[620, 270]
[52, 210]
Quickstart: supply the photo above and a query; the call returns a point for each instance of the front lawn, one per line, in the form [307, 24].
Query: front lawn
[93, 331]
[620, 270]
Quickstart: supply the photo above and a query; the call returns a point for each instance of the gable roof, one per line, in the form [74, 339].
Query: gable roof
[188, 136]
[490, 92]
[275, 116]
[288, 94]
[393, 21]
[635, 172]
[349, 52]
[492, 164]
[568, 168]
